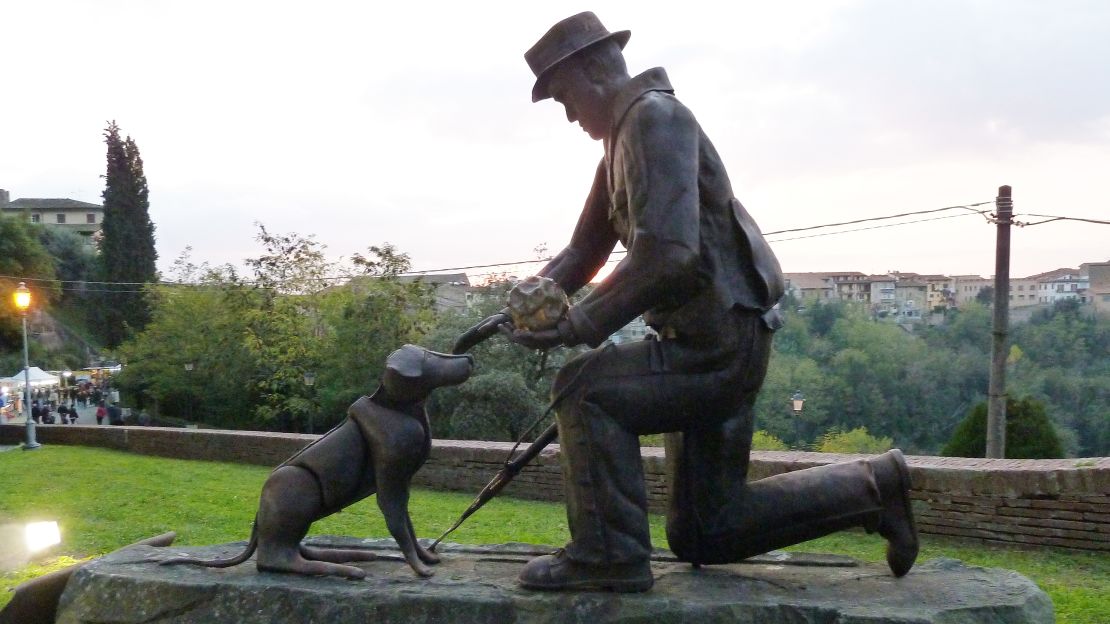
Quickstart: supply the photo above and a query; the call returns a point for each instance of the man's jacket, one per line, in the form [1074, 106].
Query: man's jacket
[694, 252]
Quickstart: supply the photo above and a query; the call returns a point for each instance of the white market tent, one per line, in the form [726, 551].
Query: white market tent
[39, 377]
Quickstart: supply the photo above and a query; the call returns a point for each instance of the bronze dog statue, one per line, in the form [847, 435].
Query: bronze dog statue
[381, 444]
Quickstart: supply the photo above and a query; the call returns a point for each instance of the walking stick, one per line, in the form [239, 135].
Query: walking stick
[511, 469]
[513, 465]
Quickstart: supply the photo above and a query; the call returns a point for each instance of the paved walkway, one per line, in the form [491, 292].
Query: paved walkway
[85, 416]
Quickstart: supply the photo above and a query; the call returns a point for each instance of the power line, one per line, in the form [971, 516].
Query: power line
[904, 214]
[1051, 218]
[84, 284]
[873, 227]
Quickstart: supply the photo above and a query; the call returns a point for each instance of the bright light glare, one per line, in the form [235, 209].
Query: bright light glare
[42, 535]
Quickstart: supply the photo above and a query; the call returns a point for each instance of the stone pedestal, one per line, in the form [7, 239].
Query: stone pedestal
[477, 584]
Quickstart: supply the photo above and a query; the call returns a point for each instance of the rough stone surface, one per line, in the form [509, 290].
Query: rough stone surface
[477, 584]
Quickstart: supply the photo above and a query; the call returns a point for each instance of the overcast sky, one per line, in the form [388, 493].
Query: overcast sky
[411, 122]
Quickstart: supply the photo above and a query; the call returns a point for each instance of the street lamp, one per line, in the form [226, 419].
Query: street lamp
[189, 366]
[23, 303]
[797, 402]
[310, 381]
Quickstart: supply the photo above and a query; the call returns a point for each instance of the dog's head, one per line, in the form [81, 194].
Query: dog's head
[412, 372]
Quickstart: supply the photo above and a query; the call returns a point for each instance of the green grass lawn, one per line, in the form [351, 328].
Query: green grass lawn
[103, 500]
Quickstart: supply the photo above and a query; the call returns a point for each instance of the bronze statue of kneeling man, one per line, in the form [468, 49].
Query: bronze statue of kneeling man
[381, 444]
[701, 274]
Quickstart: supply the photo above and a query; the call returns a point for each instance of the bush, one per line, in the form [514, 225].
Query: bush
[763, 441]
[1029, 433]
[855, 441]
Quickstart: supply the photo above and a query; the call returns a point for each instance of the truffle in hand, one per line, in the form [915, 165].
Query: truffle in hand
[537, 303]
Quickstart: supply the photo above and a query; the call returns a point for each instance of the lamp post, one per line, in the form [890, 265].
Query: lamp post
[66, 374]
[189, 366]
[23, 303]
[797, 402]
[310, 381]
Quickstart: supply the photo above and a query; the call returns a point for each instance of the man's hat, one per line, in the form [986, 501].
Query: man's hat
[574, 34]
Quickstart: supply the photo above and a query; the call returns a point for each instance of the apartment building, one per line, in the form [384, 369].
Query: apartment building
[1098, 291]
[940, 291]
[1060, 285]
[809, 287]
[882, 294]
[851, 286]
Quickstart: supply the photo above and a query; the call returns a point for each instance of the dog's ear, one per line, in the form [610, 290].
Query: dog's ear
[408, 361]
[411, 372]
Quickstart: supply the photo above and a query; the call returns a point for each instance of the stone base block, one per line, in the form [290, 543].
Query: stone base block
[478, 584]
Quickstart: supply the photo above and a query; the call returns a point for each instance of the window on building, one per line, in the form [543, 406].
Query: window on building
[61, 217]
[36, 218]
[90, 218]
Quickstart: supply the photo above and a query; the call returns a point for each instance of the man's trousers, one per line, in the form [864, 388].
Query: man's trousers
[705, 392]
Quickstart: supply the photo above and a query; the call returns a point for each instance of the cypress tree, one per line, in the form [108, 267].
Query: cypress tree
[127, 254]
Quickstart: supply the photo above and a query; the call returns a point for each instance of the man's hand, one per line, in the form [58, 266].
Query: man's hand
[543, 339]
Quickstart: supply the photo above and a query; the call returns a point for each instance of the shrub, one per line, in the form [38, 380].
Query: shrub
[855, 441]
[763, 441]
[1029, 433]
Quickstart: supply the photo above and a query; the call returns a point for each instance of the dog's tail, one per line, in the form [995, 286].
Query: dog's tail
[252, 545]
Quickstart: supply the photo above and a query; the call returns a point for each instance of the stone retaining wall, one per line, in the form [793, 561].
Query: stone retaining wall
[1060, 502]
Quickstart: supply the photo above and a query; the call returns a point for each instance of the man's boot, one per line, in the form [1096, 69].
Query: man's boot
[557, 572]
[895, 522]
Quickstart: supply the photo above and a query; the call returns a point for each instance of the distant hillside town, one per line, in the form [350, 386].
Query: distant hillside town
[915, 296]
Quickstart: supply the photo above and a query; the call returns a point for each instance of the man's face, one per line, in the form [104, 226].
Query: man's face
[582, 98]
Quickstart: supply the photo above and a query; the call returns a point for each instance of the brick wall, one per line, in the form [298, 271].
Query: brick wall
[1059, 502]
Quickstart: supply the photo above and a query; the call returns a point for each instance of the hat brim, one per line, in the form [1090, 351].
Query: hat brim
[539, 90]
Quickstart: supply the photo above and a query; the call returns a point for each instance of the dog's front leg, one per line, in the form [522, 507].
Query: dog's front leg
[393, 500]
[425, 555]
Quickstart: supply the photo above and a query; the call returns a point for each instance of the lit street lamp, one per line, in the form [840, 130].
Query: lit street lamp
[797, 402]
[23, 303]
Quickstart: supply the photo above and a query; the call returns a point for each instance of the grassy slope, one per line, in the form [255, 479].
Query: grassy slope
[104, 500]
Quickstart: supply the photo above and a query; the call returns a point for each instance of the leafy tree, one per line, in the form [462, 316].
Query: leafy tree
[985, 296]
[127, 254]
[1029, 433]
[22, 255]
[205, 326]
[74, 259]
[362, 324]
[284, 332]
[537, 369]
[496, 405]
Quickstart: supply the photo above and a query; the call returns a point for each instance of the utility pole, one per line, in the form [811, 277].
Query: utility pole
[996, 406]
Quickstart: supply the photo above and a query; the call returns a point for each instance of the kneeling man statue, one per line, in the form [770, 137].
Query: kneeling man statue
[700, 272]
